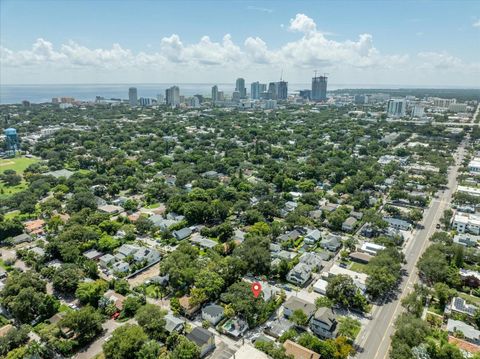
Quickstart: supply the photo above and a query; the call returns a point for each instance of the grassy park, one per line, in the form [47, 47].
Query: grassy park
[19, 165]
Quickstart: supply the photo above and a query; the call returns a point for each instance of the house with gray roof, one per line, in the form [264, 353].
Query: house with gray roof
[470, 334]
[92, 254]
[312, 237]
[292, 235]
[278, 327]
[106, 260]
[203, 242]
[332, 243]
[300, 274]
[146, 254]
[397, 223]
[161, 223]
[204, 339]
[173, 323]
[213, 313]
[349, 224]
[21, 238]
[182, 234]
[121, 267]
[311, 259]
[293, 303]
[126, 250]
[324, 323]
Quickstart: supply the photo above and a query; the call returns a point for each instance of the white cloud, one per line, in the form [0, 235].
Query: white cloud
[476, 23]
[302, 23]
[209, 59]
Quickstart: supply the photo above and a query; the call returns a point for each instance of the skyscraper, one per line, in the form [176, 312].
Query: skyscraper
[132, 96]
[173, 96]
[396, 107]
[240, 88]
[255, 90]
[319, 88]
[272, 91]
[214, 93]
[282, 90]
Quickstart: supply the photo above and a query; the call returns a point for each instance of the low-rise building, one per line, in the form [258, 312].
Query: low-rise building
[332, 242]
[324, 323]
[106, 260]
[312, 237]
[293, 303]
[204, 339]
[173, 323]
[466, 240]
[299, 352]
[182, 234]
[459, 305]
[213, 313]
[300, 274]
[349, 224]
[466, 222]
[470, 334]
[360, 257]
[397, 223]
[371, 248]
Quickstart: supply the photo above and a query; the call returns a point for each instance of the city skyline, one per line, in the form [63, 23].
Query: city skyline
[177, 46]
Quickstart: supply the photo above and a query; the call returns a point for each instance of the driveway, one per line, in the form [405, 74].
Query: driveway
[95, 348]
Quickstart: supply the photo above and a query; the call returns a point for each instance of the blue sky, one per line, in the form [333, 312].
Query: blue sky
[438, 39]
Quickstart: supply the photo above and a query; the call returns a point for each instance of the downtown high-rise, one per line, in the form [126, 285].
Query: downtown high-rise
[172, 96]
[319, 88]
[240, 88]
[132, 96]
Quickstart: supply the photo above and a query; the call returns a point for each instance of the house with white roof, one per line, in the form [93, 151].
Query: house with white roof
[371, 248]
[474, 166]
[466, 222]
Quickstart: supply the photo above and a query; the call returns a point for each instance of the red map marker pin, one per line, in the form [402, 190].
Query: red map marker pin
[256, 289]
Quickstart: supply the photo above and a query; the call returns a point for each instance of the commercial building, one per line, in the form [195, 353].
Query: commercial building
[319, 88]
[282, 90]
[396, 107]
[132, 96]
[240, 88]
[256, 88]
[172, 95]
[214, 93]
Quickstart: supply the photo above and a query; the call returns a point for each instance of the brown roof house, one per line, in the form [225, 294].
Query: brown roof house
[299, 352]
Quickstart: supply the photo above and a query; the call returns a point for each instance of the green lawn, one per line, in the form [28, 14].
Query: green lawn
[19, 165]
[153, 206]
[358, 267]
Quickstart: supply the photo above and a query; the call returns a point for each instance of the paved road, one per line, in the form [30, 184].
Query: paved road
[374, 339]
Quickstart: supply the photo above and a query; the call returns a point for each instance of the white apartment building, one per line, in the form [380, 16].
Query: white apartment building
[474, 166]
[464, 222]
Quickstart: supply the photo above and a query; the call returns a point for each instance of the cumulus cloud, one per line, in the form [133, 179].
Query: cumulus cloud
[311, 50]
[302, 23]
